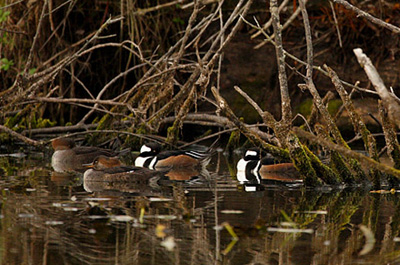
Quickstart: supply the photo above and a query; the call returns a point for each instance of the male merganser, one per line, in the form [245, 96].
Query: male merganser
[151, 157]
[252, 168]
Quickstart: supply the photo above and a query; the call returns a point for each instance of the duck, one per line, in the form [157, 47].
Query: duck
[253, 168]
[68, 157]
[152, 157]
[111, 169]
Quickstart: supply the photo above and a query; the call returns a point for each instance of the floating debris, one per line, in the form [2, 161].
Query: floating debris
[156, 199]
[71, 209]
[169, 243]
[327, 243]
[162, 217]
[232, 211]
[95, 217]
[73, 198]
[291, 224]
[290, 230]
[160, 231]
[218, 227]
[25, 215]
[313, 212]
[92, 231]
[121, 218]
[97, 199]
[369, 240]
[54, 222]
[30, 189]
[142, 210]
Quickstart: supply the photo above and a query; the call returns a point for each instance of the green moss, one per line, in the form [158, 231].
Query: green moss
[233, 141]
[104, 122]
[305, 107]
[323, 171]
[45, 123]
[359, 173]
[334, 105]
[341, 167]
[302, 162]
[172, 134]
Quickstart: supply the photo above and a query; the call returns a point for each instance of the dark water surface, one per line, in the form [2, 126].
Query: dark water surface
[49, 218]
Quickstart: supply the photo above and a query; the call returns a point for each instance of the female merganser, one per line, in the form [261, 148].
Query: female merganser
[68, 157]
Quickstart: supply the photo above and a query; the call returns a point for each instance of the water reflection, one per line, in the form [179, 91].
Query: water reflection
[59, 219]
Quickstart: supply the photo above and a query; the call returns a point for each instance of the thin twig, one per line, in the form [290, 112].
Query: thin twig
[291, 56]
[285, 26]
[280, 57]
[336, 24]
[369, 17]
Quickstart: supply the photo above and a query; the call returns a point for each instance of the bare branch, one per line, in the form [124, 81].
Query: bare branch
[369, 17]
[388, 99]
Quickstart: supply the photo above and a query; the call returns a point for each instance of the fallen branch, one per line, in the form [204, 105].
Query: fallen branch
[20, 136]
[389, 100]
[347, 152]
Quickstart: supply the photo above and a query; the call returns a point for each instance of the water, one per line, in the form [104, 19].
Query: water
[48, 218]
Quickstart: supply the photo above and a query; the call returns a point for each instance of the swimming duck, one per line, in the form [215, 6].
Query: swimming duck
[69, 157]
[253, 168]
[151, 157]
[105, 168]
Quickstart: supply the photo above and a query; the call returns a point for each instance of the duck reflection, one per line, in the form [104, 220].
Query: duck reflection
[66, 179]
[108, 173]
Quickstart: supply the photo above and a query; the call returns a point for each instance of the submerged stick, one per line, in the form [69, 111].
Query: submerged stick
[20, 136]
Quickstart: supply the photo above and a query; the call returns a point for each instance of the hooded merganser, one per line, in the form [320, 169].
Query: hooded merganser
[69, 157]
[252, 169]
[151, 157]
[105, 168]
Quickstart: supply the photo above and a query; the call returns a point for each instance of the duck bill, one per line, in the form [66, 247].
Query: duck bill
[90, 165]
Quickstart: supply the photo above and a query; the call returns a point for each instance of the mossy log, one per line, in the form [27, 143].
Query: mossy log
[337, 162]
[392, 144]
[302, 162]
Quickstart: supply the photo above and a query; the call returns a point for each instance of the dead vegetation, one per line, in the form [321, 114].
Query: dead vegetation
[138, 67]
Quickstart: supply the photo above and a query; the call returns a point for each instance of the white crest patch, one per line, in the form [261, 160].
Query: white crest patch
[251, 153]
[145, 148]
